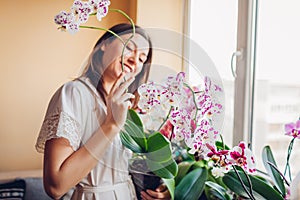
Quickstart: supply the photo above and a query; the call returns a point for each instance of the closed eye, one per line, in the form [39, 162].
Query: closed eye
[129, 48]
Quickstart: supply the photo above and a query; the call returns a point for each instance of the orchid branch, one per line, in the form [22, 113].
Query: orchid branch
[249, 181]
[127, 41]
[194, 99]
[222, 140]
[104, 29]
[274, 167]
[243, 185]
[287, 166]
[165, 120]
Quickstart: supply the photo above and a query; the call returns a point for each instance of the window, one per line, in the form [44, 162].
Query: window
[213, 26]
[277, 90]
[270, 73]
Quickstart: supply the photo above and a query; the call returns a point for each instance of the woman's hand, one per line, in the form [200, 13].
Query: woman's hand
[119, 101]
[161, 192]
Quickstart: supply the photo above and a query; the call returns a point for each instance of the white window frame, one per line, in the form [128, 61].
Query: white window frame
[245, 66]
[245, 71]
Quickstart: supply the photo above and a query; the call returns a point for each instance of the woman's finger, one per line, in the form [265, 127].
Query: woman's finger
[159, 195]
[129, 104]
[119, 81]
[126, 97]
[161, 188]
[145, 196]
[123, 87]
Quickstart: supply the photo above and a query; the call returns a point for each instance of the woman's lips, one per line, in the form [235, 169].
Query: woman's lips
[127, 68]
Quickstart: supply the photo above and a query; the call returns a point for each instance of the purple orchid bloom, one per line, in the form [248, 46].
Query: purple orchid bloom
[293, 129]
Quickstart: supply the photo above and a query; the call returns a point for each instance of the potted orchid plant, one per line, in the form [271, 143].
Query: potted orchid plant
[207, 168]
[179, 115]
[184, 116]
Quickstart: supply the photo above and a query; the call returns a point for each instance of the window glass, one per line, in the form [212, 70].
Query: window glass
[213, 26]
[277, 86]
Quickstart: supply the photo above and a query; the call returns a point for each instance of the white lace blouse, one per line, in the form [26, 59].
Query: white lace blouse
[75, 112]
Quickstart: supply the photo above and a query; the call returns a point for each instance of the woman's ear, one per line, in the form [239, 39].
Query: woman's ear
[103, 46]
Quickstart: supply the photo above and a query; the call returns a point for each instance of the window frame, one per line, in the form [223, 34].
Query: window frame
[244, 67]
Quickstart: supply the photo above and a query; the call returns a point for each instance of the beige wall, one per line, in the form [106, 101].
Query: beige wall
[160, 13]
[36, 59]
[168, 15]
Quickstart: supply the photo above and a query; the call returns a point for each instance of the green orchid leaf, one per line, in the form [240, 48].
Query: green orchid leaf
[198, 164]
[220, 146]
[166, 169]
[215, 191]
[234, 185]
[170, 183]
[134, 117]
[129, 143]
[159, 148]
[192, 185]
[267, 156]
[136, 134]
[183, 169]
[261, 189]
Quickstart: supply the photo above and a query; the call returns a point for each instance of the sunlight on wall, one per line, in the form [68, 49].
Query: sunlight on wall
[36, 59]
[168, 15]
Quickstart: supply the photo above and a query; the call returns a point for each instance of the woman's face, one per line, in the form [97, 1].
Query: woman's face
[135, 55]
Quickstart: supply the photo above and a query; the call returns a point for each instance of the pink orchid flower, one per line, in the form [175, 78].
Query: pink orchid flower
[67, 22]
[293, 129]
[243, 157]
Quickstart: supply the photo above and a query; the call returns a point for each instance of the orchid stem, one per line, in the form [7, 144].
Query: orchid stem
[249, 182]
[274, 167]
[167, 117]
[244, 186]
[104, 29]
[194, 99]
[287, 166]
[222, 140]
[127, 41]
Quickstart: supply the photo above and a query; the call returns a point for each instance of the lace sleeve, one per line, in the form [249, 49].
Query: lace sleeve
[59, 125]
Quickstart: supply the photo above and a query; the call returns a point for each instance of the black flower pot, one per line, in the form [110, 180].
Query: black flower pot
[203, 196]
[142, 178]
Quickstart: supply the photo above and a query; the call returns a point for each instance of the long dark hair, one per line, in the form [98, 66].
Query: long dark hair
[94, 68]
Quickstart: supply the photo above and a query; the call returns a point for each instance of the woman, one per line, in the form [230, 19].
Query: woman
[80, 133]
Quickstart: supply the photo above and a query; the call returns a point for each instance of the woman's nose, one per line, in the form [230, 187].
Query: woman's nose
[133, 60]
